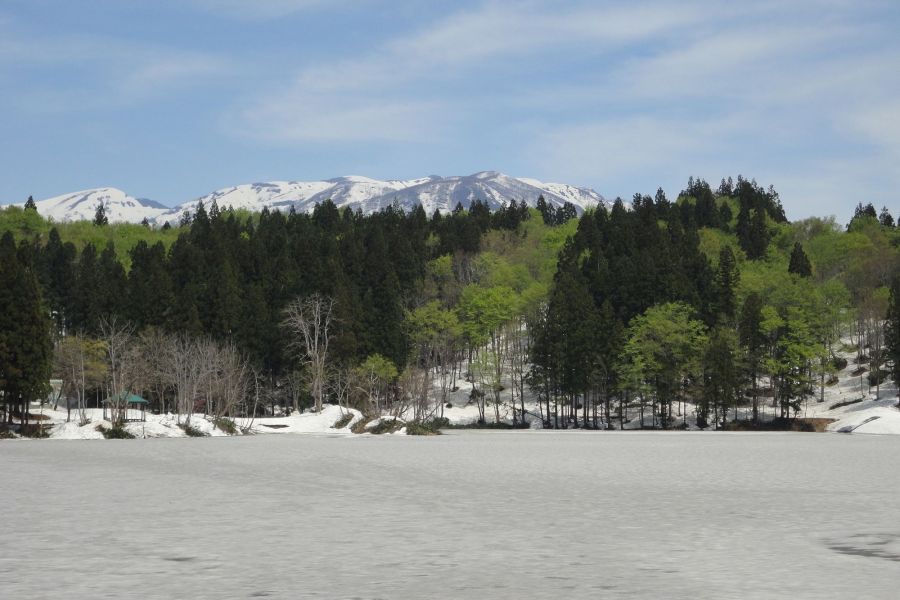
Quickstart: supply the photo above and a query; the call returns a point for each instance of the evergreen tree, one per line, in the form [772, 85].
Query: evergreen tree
[545, 209]
[742, 228]
[114, 282]
[149, 293]
[799, 262]
[725, 216]
[100, 218]
[89, 291]
[25, 337]
[726, 280]
[885, 217]
[57, 273]
[30, 205]
[753, 341]
[759, 236]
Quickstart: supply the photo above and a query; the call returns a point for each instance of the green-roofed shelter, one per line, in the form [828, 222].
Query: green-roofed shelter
[123, 401]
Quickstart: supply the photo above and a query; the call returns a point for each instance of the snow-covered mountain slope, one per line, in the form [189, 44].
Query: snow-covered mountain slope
[355, 192]
[370, 195]
[444, 193]
[302, 195]
[82, 206]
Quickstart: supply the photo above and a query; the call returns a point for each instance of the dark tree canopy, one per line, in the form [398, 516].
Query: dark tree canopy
[25, 343]
[799, 262]
[100, 218]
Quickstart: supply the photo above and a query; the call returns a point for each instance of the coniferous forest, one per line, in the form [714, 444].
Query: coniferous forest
[712, 299]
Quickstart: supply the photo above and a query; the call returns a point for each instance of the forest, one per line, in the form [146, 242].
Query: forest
[713, 300]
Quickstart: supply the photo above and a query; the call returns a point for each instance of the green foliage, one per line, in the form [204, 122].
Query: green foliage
[662, 351]
[483, 310]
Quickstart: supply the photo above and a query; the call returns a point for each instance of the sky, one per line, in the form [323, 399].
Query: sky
[172, 99]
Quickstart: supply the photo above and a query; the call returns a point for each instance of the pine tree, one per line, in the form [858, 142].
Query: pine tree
[57, 274]
[753, 341]
[30, 205]
[759, 235]
[726, 279]
[742, 228]
[886, 219]
[799, 262]
[25, 339]
[725, 215]
[89, 291]
[114, 281]
[100, 218]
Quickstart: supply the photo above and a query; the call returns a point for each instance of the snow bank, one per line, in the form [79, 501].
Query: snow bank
[305, 422]
[880, 419]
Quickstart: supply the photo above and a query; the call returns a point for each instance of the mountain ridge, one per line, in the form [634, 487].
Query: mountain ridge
[356, 192]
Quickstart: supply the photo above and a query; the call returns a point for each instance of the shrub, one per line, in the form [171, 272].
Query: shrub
[343, 421]
[360, 426]
[192, 431]
[424, 427]
[839, 363]
[116, 432]
[387, 426]
[226, 425]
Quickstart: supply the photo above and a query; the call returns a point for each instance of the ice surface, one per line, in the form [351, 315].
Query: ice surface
[463, 515]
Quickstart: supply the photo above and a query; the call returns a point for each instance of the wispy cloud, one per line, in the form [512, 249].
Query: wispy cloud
[780, 93]
[267, 9]
[101, 72]
[402, 85]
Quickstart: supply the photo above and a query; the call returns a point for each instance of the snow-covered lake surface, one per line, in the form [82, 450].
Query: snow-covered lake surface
[464, 515]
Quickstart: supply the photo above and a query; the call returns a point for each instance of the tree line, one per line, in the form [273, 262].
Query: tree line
[713, 300]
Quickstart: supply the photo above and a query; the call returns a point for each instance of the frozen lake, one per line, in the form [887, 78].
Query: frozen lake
[464, 515]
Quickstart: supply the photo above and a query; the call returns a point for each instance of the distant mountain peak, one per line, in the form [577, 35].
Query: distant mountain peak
[356, 192]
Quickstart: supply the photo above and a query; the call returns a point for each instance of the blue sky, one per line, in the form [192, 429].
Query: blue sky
[171, 99]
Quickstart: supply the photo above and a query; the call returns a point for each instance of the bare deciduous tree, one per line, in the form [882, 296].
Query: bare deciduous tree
[231, 382]
[187, 365]
[308, 320]
[340, 383]
[119, 338]
[81, 363]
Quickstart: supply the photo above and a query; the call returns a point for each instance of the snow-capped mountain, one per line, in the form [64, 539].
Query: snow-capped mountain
[370, 195]
[444, 193]
[302, 195]
[355, 192]
[82, 206]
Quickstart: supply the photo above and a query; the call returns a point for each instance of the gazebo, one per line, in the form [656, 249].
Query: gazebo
[122, 402]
